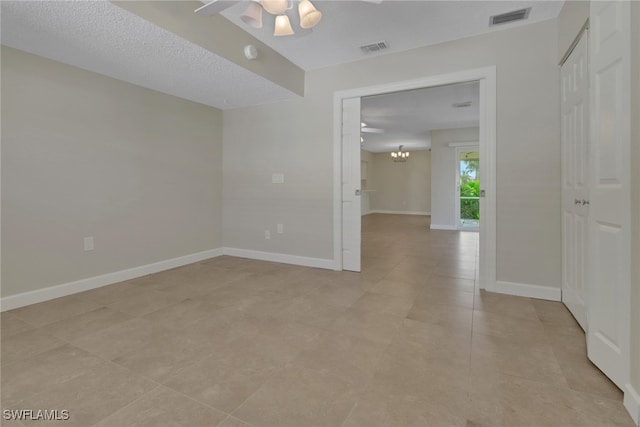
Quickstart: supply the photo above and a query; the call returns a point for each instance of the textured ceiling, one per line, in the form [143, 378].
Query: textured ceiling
[347, 25]
[408, 117]
[101, 37]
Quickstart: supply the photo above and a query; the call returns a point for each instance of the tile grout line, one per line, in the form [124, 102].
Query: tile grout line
[126, 406]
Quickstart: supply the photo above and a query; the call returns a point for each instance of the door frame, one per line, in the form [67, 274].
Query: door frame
[487, 140]
[463, 149]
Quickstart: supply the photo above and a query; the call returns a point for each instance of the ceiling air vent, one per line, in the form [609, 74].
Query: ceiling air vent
[516, 15]
[374, 47]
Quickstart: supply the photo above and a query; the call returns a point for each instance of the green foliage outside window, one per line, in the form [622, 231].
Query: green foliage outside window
[470, 208]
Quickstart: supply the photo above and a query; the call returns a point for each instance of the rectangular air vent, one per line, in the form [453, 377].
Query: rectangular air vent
[374, 47]
[516, 15]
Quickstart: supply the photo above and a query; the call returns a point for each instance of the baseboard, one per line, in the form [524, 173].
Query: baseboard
[527, 290]
[443, 227]
[375, 211]
[32, 297]
[282, 258]
[632, 403]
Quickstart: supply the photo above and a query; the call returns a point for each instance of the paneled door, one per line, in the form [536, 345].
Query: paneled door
[610, 211]
[574, 98]
[351, 204]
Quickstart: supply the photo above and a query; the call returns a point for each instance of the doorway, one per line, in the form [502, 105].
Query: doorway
[347, 166]
[468, 188]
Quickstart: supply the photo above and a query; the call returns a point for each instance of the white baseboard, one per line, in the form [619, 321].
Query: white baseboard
[526, 290]
[632, 403]
[375, 211]
[443, 227]
[282, 258]
[32, 297]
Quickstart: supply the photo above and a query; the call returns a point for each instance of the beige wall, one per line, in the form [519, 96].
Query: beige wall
[443, 173]
[401, 187]
[635, 195]
[572, 17]
[86, 155]
[296, 137]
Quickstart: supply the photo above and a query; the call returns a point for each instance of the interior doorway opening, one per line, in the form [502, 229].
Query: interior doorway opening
[347, 127]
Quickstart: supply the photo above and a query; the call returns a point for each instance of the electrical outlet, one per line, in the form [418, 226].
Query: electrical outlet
[267, 234]
[277, 178]
[88, 243]
[280, 228]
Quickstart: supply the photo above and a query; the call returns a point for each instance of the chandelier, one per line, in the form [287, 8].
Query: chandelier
[400, 156]
[309, 15]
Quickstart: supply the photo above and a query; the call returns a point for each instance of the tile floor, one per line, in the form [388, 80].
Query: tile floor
[233, 342]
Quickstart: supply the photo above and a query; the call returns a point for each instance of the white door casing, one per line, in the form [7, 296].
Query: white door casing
[574, 99]
[610, 215]
[487, 78]
[351, 180]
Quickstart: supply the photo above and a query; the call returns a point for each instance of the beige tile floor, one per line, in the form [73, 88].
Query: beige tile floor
[233, 342]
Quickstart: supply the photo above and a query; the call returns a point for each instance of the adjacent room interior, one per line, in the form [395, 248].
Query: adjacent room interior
[304, 213]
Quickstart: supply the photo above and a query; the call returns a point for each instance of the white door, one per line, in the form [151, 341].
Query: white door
[351, 205]
[574, 98]
[610, 216]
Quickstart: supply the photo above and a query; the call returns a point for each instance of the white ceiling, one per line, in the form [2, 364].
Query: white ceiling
[101, 37]
[408, 117]
[347, 25]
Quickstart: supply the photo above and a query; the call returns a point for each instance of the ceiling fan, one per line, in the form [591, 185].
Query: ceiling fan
[367, 129]
[309, 15]
[214, 7]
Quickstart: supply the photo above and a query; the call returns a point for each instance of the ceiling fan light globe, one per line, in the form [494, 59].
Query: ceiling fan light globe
[309, 15]
[253, 15]
[310, 20]
[275, 7]
[283, 26]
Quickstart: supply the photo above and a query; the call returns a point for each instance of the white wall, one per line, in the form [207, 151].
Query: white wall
[86, 155]
[296, 137]
[443, 174]
[401, 187]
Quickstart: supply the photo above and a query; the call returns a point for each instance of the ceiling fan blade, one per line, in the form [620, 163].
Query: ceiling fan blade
[371, 130]
[214, 7]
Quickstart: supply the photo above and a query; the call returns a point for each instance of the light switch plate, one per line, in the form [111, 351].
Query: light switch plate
[277, 178]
